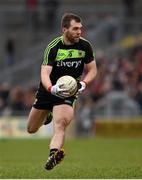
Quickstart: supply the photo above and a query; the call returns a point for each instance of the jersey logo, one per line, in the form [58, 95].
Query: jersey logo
[69, 63]
[70, 54]
[64, 54]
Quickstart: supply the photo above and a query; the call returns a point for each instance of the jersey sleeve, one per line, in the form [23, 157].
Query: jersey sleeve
[49, 56]
[89, 55]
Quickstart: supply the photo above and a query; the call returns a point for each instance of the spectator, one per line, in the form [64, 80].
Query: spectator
[16, 101]
[128, 13]
[3, 97]
[2, 106]
[33, 21]
[4, 94]
[138, 96]
[128, 7]
[51, 8]
[9, 52]
[29, 98]
[111, 27]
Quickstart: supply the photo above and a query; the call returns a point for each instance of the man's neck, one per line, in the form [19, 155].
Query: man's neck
[66, 41]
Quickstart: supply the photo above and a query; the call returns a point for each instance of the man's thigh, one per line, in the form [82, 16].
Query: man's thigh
[63, 112]
[36, 117]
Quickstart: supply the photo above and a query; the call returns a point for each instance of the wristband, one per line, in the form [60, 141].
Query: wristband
[84, 82]
[49, 89]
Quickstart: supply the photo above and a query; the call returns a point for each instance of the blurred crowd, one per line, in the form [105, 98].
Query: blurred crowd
[121, 73]
[15, 100]
[119, 81]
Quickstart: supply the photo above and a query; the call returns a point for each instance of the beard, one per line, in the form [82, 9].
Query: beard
[72, 39]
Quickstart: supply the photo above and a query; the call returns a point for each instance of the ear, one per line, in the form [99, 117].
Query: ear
[64, 30]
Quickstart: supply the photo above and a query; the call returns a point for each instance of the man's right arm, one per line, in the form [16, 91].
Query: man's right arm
[45, 76]
[53, 89]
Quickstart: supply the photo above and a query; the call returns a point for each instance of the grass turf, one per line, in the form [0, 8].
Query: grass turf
[85, 158]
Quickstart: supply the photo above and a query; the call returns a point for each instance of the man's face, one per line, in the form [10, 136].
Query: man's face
[73, 33]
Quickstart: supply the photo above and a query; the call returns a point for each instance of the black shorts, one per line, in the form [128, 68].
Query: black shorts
[46, 101]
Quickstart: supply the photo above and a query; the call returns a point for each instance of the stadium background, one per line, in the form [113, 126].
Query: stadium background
[108, 114]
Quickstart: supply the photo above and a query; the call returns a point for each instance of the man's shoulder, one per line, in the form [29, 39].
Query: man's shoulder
[55, 41]
[85, 41]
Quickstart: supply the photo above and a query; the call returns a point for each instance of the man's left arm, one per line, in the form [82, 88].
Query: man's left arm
[89, 77]
[91, 72]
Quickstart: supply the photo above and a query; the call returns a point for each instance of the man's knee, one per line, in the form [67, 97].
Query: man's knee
[63, 122]
[31, 130]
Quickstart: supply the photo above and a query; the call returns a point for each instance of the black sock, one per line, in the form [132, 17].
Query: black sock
[52, 151]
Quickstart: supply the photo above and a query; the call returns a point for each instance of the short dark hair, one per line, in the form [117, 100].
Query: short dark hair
[67, 17]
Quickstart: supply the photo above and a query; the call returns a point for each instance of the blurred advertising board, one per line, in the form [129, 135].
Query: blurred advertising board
[16, 127]
[118, 127]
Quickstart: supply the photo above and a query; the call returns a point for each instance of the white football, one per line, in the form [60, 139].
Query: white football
[68, 83]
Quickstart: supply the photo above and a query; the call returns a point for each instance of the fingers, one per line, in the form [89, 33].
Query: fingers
[64, 94]
[62, 90]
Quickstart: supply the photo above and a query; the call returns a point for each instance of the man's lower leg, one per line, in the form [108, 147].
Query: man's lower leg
[48, 118]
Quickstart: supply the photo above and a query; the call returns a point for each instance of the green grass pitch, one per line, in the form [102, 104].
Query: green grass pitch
[85, 158]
